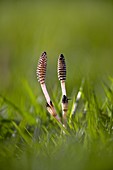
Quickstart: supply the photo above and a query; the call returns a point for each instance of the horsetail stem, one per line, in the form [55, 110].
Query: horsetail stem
[62, 77]
[41, 75]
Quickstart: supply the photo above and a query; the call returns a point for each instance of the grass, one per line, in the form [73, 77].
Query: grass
[29, 137]
[32, 139]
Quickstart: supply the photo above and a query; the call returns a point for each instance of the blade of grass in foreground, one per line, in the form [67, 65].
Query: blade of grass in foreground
[26, 136]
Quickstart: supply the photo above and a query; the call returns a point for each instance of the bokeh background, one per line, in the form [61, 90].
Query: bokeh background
[81, 30]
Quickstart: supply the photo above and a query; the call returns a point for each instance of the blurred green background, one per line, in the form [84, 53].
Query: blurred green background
[81, 30]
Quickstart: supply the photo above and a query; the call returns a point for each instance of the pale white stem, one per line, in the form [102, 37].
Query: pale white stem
[44, 89]
[63, 87]
[57, 117]
[51, 108]
[79, 95]
[76, 103]
[64, 103]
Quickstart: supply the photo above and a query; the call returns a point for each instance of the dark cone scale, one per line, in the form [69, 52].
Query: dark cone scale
[41, 68]
[61, 68]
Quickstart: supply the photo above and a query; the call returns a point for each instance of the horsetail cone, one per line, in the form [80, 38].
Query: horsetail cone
[41, 68]
[61, 68]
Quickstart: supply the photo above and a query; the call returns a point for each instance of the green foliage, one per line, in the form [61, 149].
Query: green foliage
[31, 139]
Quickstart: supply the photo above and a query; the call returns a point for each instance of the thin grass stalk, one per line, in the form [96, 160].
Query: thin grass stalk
[78, 97]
